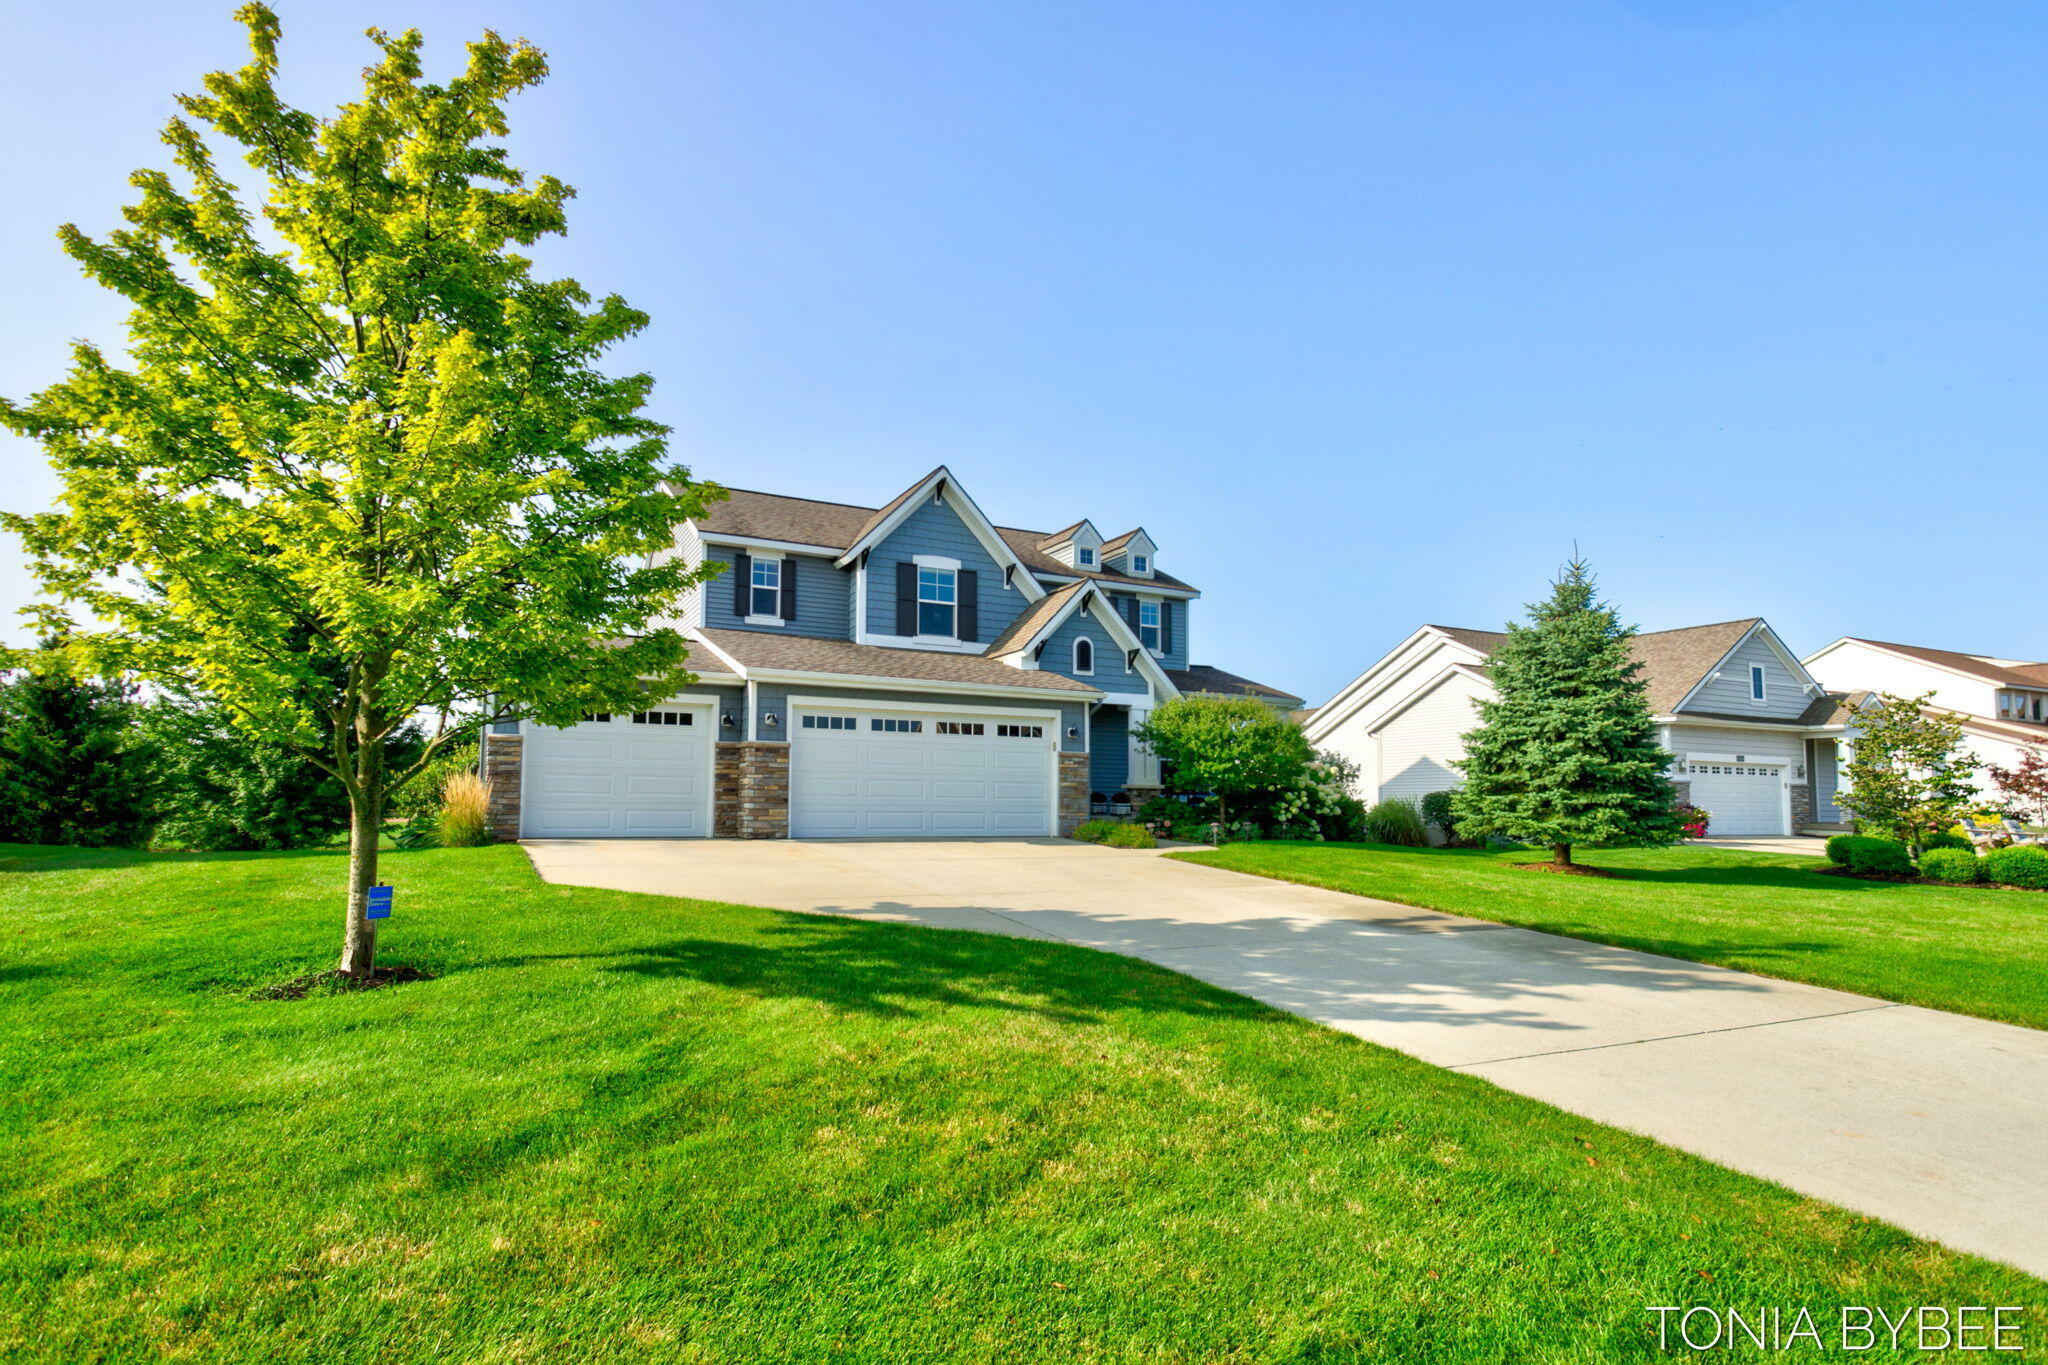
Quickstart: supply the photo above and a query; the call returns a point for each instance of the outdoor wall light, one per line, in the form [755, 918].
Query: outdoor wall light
[1073, 732]
[768, 719]
[726, 722]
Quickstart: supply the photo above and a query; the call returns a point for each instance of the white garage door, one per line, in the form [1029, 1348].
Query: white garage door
[1739, 798]
[644, 775]
[887, 774]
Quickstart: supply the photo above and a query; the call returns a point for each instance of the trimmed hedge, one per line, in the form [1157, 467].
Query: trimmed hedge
[1948, 839]
[1094, 831]
[1131, 836]
[1951, 865]
[2020, 865]
[1861, 853]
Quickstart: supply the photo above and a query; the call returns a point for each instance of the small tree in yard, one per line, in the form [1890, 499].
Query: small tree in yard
[361, 465]
[71, 771]
[1566, 752]
[1909, 775]
[1230, 746]
[2023, 788]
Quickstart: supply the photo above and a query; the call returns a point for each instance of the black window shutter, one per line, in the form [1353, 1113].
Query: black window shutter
[906, 598]
[969, 616]
[1166, 627]
[743, 584]
[1131, 613]
[789, 590]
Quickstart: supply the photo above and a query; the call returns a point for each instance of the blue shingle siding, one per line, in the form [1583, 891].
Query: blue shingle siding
[1176, 657]
[1109, 763]
[1110, 674]
[824, 597]
[1785, 697]
[775, 697]
[935, 529]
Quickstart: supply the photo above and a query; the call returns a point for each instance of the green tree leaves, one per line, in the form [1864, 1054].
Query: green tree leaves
[359, 462]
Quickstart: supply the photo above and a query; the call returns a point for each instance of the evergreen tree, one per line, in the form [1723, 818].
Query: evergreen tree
[220, 787]
[70, 769]
[1566, 753]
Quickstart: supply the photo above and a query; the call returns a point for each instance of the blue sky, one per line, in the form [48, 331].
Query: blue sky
[1368, 312]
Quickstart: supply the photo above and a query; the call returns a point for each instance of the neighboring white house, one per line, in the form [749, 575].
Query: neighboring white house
[1754, 732]
[2003, 702]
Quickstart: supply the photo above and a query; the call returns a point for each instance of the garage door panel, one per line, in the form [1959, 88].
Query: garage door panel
[618, 779]
[1739, 798]
[919, 783]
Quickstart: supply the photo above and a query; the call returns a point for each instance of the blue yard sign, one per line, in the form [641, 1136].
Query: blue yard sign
[380, 903]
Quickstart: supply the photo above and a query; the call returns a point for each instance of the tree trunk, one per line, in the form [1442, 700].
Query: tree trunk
[365, 826]
[359, 935]
[1561, 855]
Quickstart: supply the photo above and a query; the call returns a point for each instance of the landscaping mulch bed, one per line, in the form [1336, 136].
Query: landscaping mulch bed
[335, 982]
[1572, 870]
[1915, 879]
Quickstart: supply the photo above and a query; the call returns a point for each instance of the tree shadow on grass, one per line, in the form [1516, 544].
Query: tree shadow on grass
[890, 970]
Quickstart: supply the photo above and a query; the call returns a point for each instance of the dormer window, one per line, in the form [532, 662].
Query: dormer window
[1084, 655]
[1140, 564]
[936, 601]
[766, 580]
[1086, 556]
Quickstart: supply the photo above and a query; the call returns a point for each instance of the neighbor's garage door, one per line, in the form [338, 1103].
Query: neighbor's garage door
[639, 776]
[1739, 798]
[875, 774]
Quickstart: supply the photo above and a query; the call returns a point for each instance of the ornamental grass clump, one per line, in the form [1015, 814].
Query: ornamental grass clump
[1394, 821]
[465, 811]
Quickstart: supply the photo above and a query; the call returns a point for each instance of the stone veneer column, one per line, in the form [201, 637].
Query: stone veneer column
[1802, 805]
[751, 790]
[501, 775]
[1073, 792]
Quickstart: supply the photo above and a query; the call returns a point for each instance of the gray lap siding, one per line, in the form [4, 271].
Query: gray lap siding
[1176, 656]
[935, 529]
[824, 596]
[1110, 673]
[1785, 698]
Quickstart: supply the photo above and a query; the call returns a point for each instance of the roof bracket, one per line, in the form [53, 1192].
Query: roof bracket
[1131, 660]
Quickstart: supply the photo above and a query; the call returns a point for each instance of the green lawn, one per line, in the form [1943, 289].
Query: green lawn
[622, 1127]
[1977, 952]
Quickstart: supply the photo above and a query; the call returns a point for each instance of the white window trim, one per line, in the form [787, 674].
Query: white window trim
[939, 564]
[1084, 556]
[1158, 627]
[1141, 564]
[754, 618]
[1759, 686]
[1089, 671]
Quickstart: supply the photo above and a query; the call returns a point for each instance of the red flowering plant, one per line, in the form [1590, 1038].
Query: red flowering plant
[1692, 819]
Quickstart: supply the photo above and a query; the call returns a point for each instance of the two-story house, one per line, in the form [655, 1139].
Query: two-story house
[2003, 703]
[1753, 733]
[905, 671]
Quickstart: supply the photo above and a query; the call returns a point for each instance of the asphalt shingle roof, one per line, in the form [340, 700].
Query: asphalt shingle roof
[1205, 678]
[814, 654]
[837, 525]
[1977, 665]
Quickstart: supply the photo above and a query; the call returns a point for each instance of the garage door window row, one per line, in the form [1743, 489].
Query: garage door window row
[1730, 770]
[960, 727]
[1020, 731]
[830, 723]
[892, 726]
[663, 718]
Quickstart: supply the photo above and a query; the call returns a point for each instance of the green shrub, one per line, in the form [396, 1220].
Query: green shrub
[1838, 848]
[1879, 855]
[422, 795]
[1436, 810]
[2020, 865]
[418, 831]
[1345, 822]
[1095, 831]
[1951, 865]
[1947, 840]
[1131, 836]
[1395, 821]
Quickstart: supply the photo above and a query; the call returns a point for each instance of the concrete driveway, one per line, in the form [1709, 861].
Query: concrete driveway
[1935, 1122]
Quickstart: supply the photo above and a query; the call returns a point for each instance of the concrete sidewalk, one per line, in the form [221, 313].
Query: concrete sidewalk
[1935, 1122]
